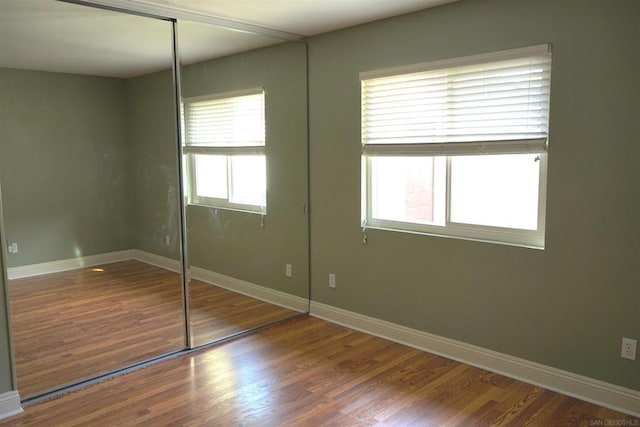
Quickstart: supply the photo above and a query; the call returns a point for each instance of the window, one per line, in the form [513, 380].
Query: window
[458, 147]
[225, 150]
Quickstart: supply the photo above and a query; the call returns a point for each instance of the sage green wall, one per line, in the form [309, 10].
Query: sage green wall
[151, 134]
[64, 165]
[233, 243]
[567, 306]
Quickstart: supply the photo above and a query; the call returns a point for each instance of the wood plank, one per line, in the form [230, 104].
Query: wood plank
[310, 372]
[74, 325]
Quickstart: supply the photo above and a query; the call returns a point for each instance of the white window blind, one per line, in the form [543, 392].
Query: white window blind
[457, 148]
[226, 120]
[499, 101]
[224, 147]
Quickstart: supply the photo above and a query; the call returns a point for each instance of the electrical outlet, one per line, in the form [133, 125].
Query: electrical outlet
[332, 280]
[629, 347]
[167, 240]
[287, 270]
[13, 248]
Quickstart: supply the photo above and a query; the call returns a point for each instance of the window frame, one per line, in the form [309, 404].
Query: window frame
[229, 151]
[509, 236]
[484, 233]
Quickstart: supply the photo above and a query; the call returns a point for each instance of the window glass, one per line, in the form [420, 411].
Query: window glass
[498, 190]
[248, 178]
[408, 189]
[211, 176]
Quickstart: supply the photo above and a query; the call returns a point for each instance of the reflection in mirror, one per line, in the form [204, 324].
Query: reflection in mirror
[88, 168]
[245, 170]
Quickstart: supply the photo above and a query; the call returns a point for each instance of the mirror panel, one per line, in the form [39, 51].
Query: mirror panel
[90, 171]
[88, 167]
[239, 249]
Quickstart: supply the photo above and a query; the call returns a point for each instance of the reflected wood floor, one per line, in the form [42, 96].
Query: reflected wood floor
[218, 313]
[74, 325]
[308, 372]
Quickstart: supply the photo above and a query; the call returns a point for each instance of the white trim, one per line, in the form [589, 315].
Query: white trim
[588, 389]
[157, 260]
[147, 7]
[241, 150]
[68, 264]
[253, 290]
[538, 145]
[10, 404]
[262, 293]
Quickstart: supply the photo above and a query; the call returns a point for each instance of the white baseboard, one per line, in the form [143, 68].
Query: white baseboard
[246, 288]
[236, 285]
[584, 388]
[9, 404]
[262, 293]
[68, 264]
[157, 260]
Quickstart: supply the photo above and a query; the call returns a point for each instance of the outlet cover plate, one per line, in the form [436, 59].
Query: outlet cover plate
[332, 280]
[629, 347]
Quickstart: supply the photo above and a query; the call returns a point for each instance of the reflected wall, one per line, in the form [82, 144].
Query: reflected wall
[90, 169]
[64, 166]
[88, 166]
[248, 252]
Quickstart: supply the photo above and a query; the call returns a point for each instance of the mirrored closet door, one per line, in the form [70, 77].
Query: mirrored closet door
[112, 178]
[244, 109]
[89, 173]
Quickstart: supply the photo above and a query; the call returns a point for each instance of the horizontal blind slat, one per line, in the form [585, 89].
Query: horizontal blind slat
[500, 100]
[426, 82]
[235, 121]
[425, 72]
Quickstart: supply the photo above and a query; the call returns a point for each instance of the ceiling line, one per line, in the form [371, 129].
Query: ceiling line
[163, 12]
[98, 5]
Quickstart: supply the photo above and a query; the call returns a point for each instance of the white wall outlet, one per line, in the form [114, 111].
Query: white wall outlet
[13, 248]
[287, 270]
[629, 347]
[167, 240]
[332, 280]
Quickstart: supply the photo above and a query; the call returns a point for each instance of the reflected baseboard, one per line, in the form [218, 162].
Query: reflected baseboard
[157, 260]
[249, 289]
[261, 293]
[10, 404]
[69, 264]
[253, 290]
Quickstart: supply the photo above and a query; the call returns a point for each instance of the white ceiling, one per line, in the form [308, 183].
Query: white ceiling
[305, 17]
[51, 35]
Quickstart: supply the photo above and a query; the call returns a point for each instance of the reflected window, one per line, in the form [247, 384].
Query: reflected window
[224, 137]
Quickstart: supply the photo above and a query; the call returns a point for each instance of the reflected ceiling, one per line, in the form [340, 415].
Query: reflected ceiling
[44, 34]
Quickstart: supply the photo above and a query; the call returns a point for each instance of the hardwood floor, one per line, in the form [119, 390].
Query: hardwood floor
[308, 372]
[71, 326]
